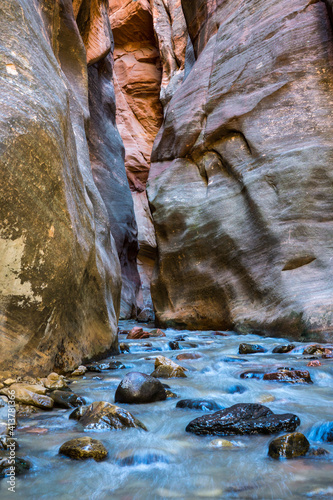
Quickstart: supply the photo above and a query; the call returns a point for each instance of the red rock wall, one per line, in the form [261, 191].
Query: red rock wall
[240, 184]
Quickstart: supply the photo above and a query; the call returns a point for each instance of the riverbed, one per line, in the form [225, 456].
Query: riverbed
[168, 462]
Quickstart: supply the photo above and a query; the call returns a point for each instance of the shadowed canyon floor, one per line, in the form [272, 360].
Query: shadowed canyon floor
[166, 461]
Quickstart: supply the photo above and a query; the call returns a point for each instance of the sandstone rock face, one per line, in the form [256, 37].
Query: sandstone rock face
[240, 184]
[171, 33]
[137, 77]
[59, 270]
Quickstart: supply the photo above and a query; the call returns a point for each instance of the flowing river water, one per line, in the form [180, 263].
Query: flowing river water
[186, 466]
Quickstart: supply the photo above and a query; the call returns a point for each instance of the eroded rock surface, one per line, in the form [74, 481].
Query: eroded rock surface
[59, 271]
[241, 176]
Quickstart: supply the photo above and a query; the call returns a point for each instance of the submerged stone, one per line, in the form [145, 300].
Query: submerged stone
[243, 418]
[289, 446]
[141, 457]
[83, 448]
[21, 466]
[198, 404]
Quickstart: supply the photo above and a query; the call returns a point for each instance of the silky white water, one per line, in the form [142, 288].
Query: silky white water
[187, 467]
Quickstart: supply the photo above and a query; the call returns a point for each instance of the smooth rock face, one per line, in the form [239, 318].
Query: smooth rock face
[102, 416]
[243, 418]
[83, 448]
[289, 446]
[241, 176]
[59, 271]
[139, 388]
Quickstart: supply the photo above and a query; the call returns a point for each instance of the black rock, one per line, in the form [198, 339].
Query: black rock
[251, 348]
[174, 346]
[237, 388]
[21, 466]
[198, 404]
[66, 399]
[282, 349]
[138, 387]
[243, 418]
[289, 446]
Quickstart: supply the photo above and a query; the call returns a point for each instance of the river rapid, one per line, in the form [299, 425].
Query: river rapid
[184, 465]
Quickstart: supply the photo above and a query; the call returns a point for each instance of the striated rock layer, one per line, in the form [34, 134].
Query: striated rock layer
[241, 181]
[60, 276]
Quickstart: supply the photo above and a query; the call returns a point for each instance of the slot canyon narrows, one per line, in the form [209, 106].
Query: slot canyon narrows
[166, 249]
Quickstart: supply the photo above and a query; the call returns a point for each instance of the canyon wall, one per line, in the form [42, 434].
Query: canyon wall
[240, 184]
[60, 276]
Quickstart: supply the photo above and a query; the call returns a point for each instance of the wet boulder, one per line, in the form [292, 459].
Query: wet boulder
[198, 404]
[251, 348]
[101, 415]
[174, 346]
[137, 333]
[316, 350]
[165, 368]
[66, 399]
[54, 381]
[139, 388]
[83, 448]
[79, 372]
[21, 466]
[289, 446]
[290, 376]
[243, 418]
[283, 349]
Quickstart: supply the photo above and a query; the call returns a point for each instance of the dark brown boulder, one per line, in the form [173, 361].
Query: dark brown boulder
[289, 446]
[282, 349]
[290, 376]
[198, 404]
[243, 418]
[66, 399]
[139, 388]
